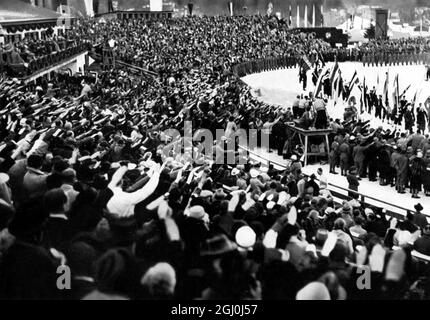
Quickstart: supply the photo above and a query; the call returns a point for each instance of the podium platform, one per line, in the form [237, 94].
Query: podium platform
[304, 139]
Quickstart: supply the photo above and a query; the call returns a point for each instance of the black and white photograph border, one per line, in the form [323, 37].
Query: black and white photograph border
[209, 157]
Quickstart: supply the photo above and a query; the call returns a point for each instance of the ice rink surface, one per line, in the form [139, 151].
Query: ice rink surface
[280, 87]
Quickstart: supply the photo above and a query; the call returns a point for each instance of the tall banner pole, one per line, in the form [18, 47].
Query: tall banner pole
[298, 17]
[322, 15]
[306, 16]
[313, 16]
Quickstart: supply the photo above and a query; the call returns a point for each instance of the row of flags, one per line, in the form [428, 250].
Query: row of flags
[270, 12]
[334, 76]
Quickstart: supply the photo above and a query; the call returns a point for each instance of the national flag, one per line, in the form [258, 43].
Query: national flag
[353, 82]
[404, 91]
[306, 64]
[230, 8]
[377, 91]
[190, 8]
[396, 90]
[414, 100]
[313, 16]
[306, 16]
[363, 100]
[385, 93]
[289, 19]
[322, 77]
[322, 15]
[321, 58]
[333, 72]
[337, 86]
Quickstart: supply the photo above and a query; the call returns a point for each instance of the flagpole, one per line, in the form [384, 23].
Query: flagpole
[289, 19]
[298, 17]
[313, 16]
[322, 15]
[306, 16]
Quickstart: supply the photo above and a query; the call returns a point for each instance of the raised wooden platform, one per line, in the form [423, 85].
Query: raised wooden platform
[305, 134]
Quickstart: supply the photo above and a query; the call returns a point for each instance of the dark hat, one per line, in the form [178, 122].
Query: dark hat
[80, 257]
[117, 271]
[418, 207]
[28, 221]
[320, 237]
[217, 245]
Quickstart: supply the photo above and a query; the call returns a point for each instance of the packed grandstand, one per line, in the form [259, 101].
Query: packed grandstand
[86, 181]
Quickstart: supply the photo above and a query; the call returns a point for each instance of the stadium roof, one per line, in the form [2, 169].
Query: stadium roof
[12, 11]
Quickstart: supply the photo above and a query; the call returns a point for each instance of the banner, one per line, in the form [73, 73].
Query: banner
[353, 82]
[396, 90]
[306, 16]
[290, 22]
[313, 16]
[307, 65]
[322, 15]
[322, 77]
[333, 72]
[190, 8]
[337, 86]
[156, 5]
[89, 8]
[230, 8]
[363, 100]
[269, 9]
[385, 93]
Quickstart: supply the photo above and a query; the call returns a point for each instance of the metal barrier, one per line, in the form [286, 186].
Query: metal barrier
[48, 60]
[126, 65]
[338, 191]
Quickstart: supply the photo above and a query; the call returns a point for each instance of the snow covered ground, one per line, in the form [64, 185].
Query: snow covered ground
[391, 199]
[280, 87]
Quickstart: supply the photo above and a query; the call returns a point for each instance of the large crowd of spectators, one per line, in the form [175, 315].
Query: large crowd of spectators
[86, 182]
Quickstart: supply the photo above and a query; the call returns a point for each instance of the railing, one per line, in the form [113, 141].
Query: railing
[34, 66]
[126, 65]
[364, 198]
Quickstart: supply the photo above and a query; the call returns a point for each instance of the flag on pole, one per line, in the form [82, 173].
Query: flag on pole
[414, 100]
[190, 8]
[290, 22]
[404, 91]
[396, 90]
[363, 102]
[298, 17]
[322, 15]
[230, 7]
[377, 83]
[385, 93]
[306, 64]
[313, 16]
[322, 77]
[333, 72]
[269, 9]
[336, 86]
[321, 58]
[353, 82]
[306, 16]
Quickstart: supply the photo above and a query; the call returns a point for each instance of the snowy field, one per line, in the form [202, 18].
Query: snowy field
[280, 87]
